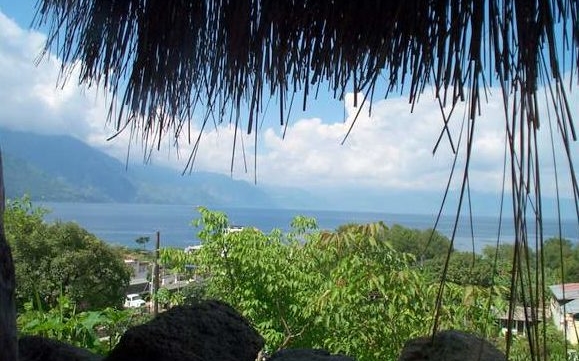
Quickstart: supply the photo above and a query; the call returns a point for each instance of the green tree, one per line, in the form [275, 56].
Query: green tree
[256, 273]
[423, 244]
[347, 291]
[561, 259]
[142, 241]
[177, 260]
[22, 217]
[468, 269]
[365, 284]
[557, 348]
[52, 259]
[83, 329]
[503, 254]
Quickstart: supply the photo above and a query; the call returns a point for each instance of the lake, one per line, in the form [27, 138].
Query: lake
[123, 223]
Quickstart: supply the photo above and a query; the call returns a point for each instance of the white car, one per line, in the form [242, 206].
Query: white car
[134, 300]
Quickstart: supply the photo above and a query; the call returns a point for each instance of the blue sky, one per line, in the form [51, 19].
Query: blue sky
[21, 11]
[389, 151]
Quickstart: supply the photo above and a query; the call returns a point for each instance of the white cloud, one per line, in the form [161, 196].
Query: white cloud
[390, 149]
[29, 93]
[393, 149]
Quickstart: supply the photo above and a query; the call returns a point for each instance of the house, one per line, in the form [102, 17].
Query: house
[141, 278]
[195, 248]
[565, 309]
[522, 319]
[140, 275]
[138, 267]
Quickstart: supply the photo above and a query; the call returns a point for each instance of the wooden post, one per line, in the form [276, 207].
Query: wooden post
[8, 338]
[156, 276]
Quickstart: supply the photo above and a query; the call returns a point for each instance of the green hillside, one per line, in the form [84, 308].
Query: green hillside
[64, 169]
[21, 177]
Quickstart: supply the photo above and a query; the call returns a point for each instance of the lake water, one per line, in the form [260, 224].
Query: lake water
[123, 223]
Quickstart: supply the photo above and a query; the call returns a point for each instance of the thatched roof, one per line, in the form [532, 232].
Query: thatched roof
[162, 58]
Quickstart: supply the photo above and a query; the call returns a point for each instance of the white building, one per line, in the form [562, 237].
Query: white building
[565, 309]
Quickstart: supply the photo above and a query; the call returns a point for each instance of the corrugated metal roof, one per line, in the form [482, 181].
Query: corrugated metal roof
[571, 291]
[519, 314]
[571, 307]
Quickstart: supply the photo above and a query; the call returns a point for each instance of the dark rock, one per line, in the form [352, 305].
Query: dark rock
[207, 331]
[450, 346]
[307, 355]
[34, 348]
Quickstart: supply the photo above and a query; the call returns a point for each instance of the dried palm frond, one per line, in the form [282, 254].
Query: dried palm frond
[163, 57]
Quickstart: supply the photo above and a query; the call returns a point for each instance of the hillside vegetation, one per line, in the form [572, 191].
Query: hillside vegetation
[363, 290]
[64, 169]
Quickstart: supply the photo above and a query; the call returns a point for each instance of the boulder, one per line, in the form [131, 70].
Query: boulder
[307, 355]
[207, 331]
[35, 348]
[450, 346]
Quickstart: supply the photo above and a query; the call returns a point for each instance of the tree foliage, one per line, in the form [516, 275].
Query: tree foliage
[142, 241]
[62, 258]
[348, 291]
[468, 269]
[98, 331]
[423, 244]
[561, 258]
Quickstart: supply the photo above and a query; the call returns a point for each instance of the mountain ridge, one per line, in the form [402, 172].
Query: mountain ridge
[60, 168]
[63, 168]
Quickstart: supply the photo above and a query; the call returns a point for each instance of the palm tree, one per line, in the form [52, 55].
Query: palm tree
[143, 240]
[161, 59]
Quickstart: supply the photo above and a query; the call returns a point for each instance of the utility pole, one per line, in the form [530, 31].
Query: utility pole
[156, 275]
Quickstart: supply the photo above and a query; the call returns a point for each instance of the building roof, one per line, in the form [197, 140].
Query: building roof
[565, 292]
[522, 314]
[571, 307]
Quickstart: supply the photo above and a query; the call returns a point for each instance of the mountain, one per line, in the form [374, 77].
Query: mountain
[43, 165]
[21, 177]
[162, 185]
[61, 168]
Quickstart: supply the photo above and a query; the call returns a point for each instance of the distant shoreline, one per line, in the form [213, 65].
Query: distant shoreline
[121, 224]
